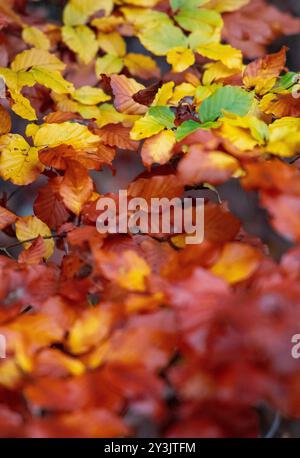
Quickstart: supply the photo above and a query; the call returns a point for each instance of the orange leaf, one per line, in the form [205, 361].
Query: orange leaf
[262, 73]
[5, 121]
[123, 89]
[49, 206]
[76, 187]
[6, 218]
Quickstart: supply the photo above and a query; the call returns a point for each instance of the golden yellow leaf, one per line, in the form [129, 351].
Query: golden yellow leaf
[163, 94]
[35, 37]
[217, 71]
[227, 5]
[81, 40]
[22, 106]
[158, 149]
[19, 162]
[244, 132]
[30, 227]
[16, 80]
[36, 58]
[109, 115]
[89, 330]
[52, 79]
[181, 91]
[88, 95]
[77, 12]
[180, 59]
[65, 133]
[145, 127]
[237, 262]
[107, 24]
[141, 66]
[284, 137]
[112, 43]
[229, 56]
[134, 271]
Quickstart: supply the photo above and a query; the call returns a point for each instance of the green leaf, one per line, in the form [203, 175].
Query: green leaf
[173, 37]
[190, 126]
[230, 98]
[164, 115]
[176, 4]
[194, 19]
[287, 81]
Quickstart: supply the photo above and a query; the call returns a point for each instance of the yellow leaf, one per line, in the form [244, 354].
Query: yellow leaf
[180, 59]
[36, 57]
[145, 127]
[145, 3]
[82, 41]
[88, 95]
[141, 66]
[133, 272]
[229, 56]
[181, 91]
[284, 137]
[202, 92]
[107, 24]
[19, 162]
[145, 18]
[109, 115]
[65, 133]
[22, 106]
[217, 71]
[52, 80]
[237, 262]
[35, 37]
[109, 64]
[164, 94]
[244, 132]
[227, 5]
[89, 330]
[30, 227]
[112, 43]
[158, 149]
[16, 80]
[77, 12]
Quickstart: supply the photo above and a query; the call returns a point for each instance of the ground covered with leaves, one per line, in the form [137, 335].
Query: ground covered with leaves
[135, 334]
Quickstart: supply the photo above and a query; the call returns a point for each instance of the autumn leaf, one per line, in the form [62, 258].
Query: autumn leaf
[6, 218]
[48, 206]
[19, 162]
[36, 38]
[180, 59]
[123, 89]
[76, 187]
[231, 99]
[65, 133]
[30, 227]
[244, 258]
[82, 41]
[158, 149]
[36, 58]
[5, 121]
[262, 74]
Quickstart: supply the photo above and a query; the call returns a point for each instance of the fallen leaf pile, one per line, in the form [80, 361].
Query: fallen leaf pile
[109, 333]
